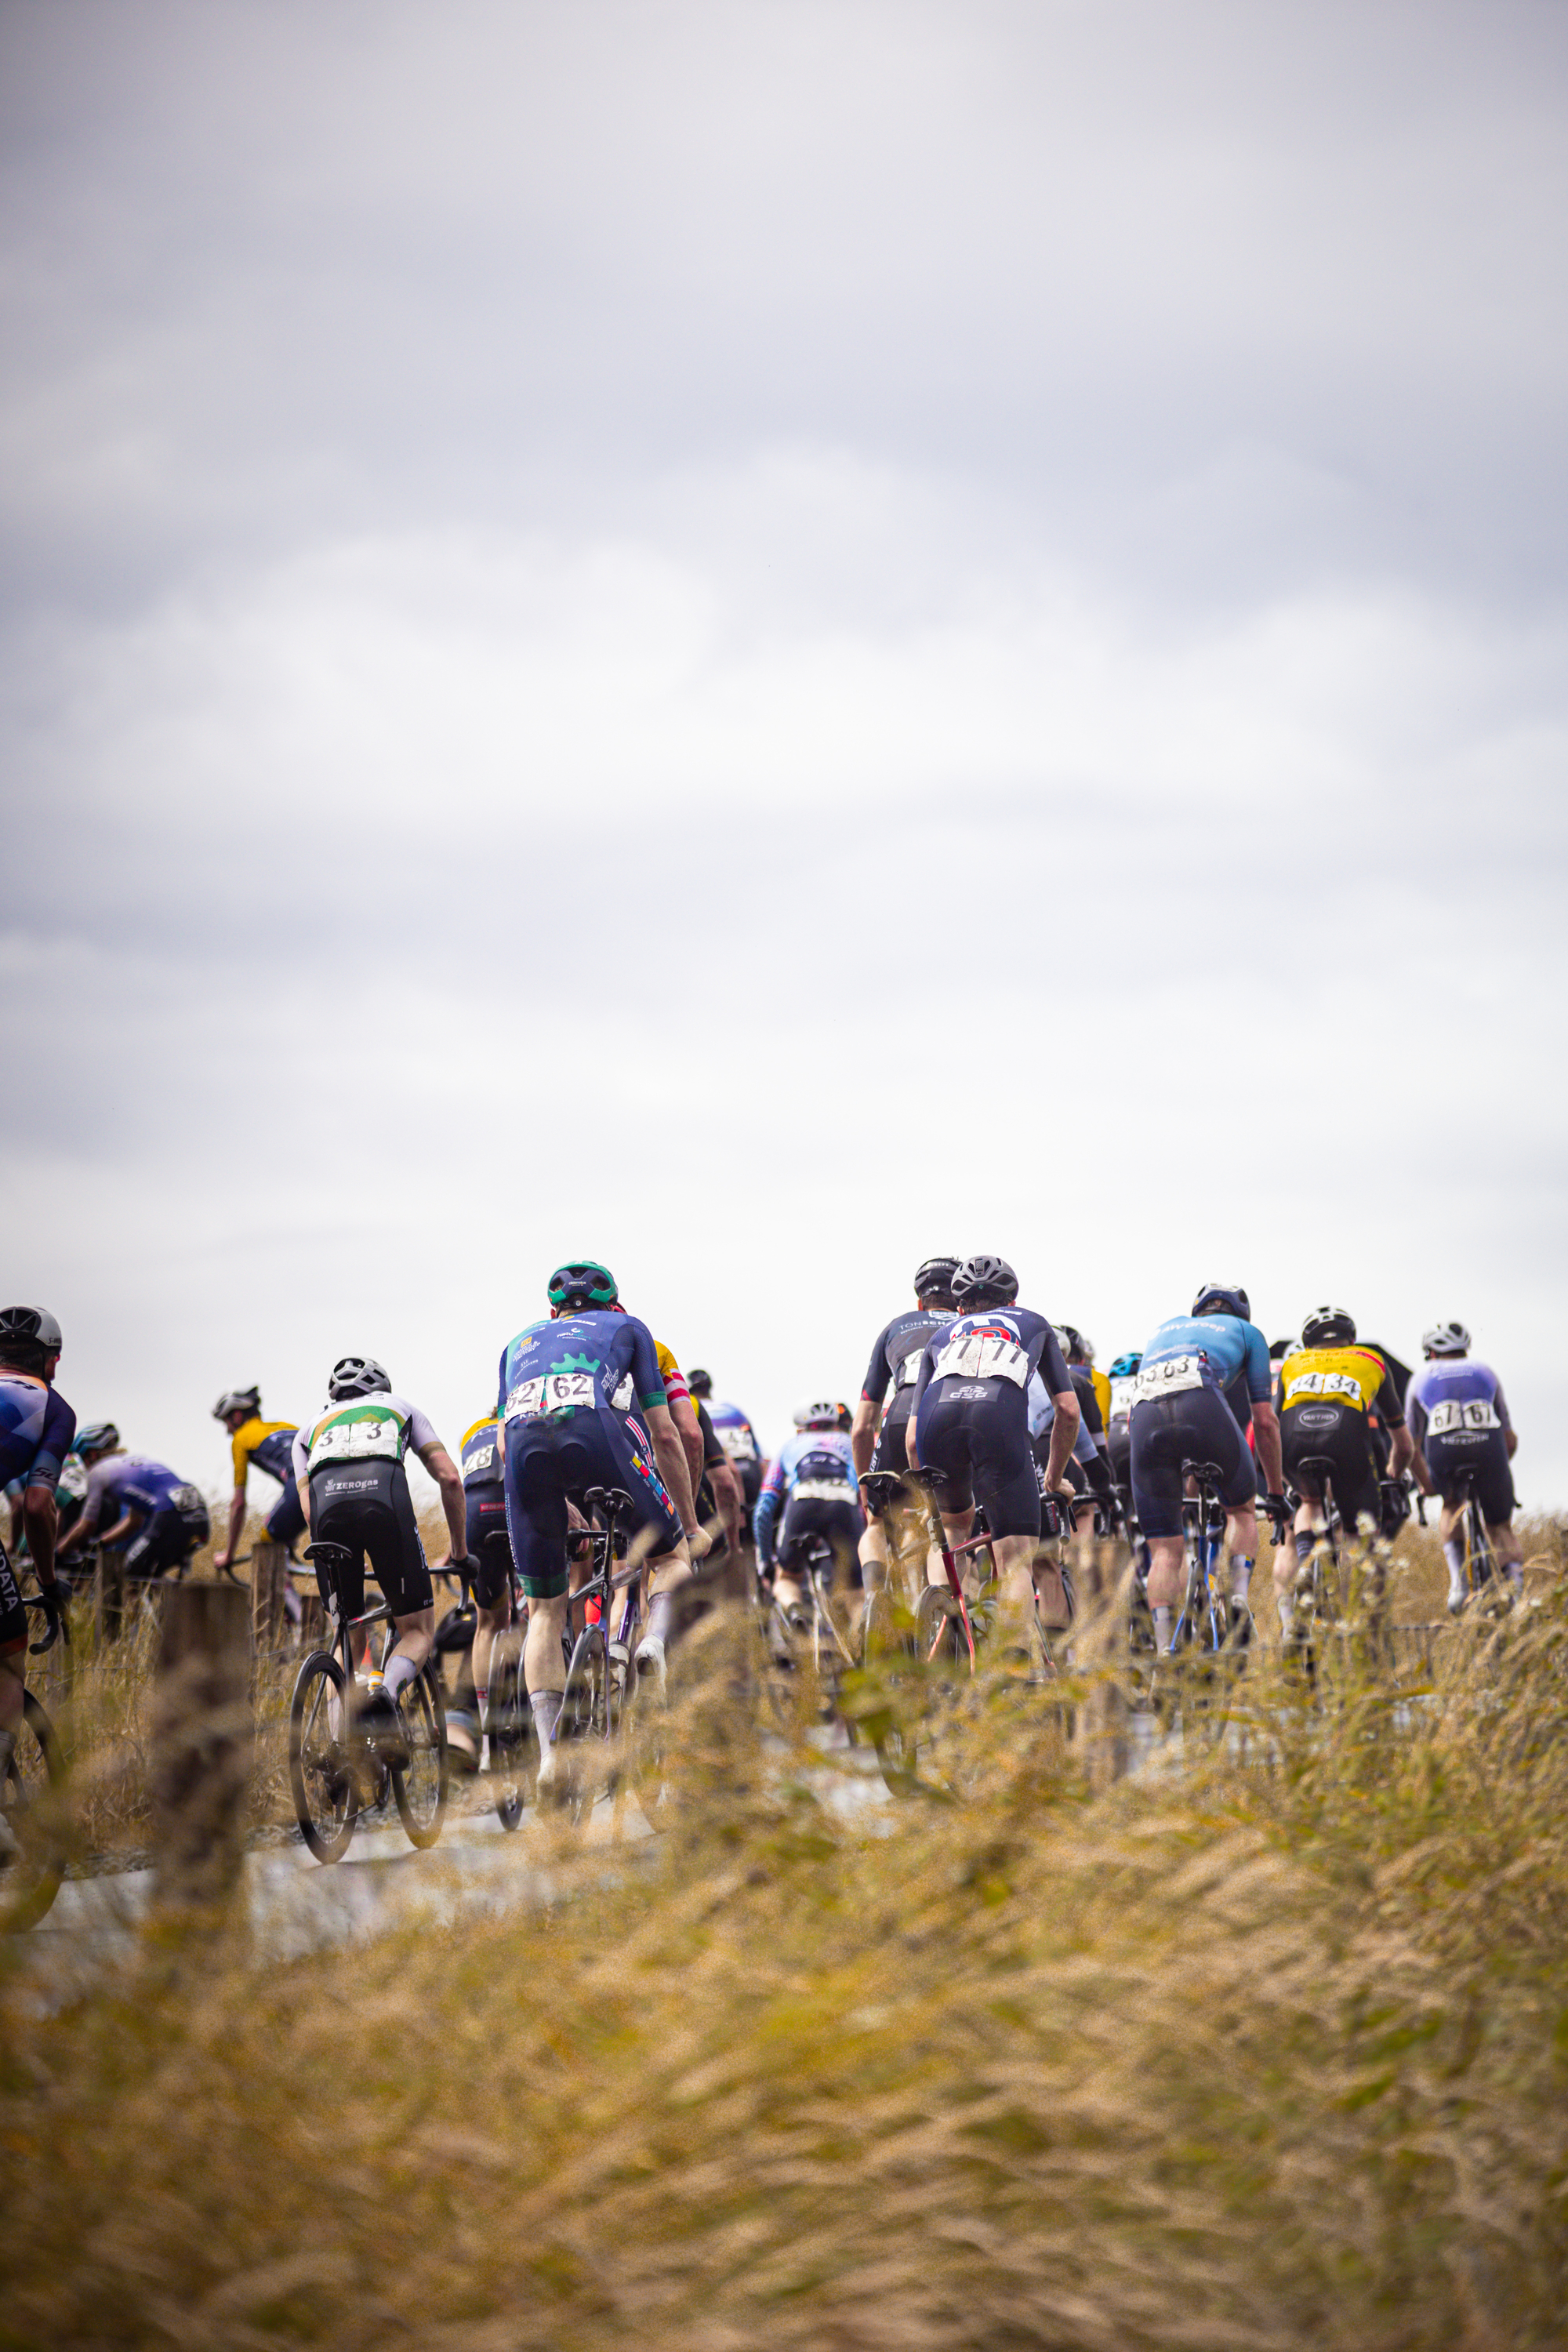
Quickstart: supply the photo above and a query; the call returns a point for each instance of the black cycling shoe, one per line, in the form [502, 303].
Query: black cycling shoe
[381, 1721]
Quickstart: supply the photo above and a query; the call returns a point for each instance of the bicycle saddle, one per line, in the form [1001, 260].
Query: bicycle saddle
[327, 1551]
[1209, 1473]
[880, 1487]
[614, 1501]
[1319, 1466]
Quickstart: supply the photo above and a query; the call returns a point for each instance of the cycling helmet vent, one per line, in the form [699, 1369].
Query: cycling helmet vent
[245, 1401]
[827, 1412]
[1446, 1339]
[581, 1284]
[934, 1281]
[1123, 1367]
[1223, 1299]
[355, 1376]
[984, 1281]
[28, 1334]
[1078, 1347]
[98, 1437]
[1328, 1326]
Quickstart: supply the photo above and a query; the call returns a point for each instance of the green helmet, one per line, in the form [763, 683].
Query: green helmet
[583, 1282]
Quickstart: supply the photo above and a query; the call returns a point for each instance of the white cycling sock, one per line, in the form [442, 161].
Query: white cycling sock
[546, 1705]
[1287, 1614]
[1454, 1553]
[1240, 1577]
[401, 1670]
[1164, 1626]
[483, 1710]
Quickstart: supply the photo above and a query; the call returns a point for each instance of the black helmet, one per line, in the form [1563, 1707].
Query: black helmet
[984, 1281]
[1328, 1326]
[583, 1282]
[934, 1281]
[29, 1335]
[353, 1376]
[1075, 1344]
[701, 1384]
[1223, 1299]
[245, 1401]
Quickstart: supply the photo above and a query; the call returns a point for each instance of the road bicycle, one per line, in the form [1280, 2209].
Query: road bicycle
[602, 1681]
[340, 1766]
[1486, 1583]
[29, 1799]
[1323, 1591]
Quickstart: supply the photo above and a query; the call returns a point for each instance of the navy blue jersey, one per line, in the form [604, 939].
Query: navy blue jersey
[896, 1358]
[1001, 1344]
[36, 1430]
[482, 1463]
[600, 1362]
[130, 1482]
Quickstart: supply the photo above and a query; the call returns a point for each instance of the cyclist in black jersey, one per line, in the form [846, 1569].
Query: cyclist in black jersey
[877, 1435]
[971, 1422]
[37, 1426]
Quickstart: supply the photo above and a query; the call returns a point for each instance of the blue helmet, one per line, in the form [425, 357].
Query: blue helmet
[1125, 1365]
[1223, 1299]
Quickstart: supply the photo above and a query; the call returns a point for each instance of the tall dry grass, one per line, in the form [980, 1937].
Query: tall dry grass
[1267, 2049]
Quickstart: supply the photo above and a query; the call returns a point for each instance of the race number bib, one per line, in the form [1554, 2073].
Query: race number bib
[910, 1370]
[477, 1457]
[187, 1500]
[738, 1444]
[555, 1393]
[1329, 1384]
[822, 1490]
[1169, 1379]
[983, 1356]
[367, 1437]
[1457, 1417]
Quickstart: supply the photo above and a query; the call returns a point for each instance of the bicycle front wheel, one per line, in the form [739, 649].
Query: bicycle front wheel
[326, 1800]
[30, 1878]
[420, 1785]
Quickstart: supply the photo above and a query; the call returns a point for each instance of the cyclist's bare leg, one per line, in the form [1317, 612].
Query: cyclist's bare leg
[1506, 1546]
[874, 1557]
[1051, 1594]
[12, 1687]
[415, 1639]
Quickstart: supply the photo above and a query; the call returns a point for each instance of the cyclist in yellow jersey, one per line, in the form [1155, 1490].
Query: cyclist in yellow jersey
[1326, 1389]
[683, 1412]
[265, 1445]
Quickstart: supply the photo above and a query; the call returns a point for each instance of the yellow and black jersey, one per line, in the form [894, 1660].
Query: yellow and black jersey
[267, 1443]
[1354, 1376]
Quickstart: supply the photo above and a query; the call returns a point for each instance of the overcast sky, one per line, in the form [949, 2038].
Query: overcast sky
[759, 639]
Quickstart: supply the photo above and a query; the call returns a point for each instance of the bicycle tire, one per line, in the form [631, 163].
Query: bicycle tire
[939, 1628]
[326, 1793]
[885, 1642]
[509, 1729]
[30, 1880]
[419, 1787]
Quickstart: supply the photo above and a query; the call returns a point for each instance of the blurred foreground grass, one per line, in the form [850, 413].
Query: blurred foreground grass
[1269, 2049]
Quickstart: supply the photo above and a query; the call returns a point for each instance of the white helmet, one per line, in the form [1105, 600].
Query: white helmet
[827, 1413]
[355, 1376]
[1446, 1339]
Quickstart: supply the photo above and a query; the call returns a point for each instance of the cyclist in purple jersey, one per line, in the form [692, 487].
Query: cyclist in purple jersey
[159, 1517]
[813, 1479]
[888, 1397]
[35, 1430]
[971, 1422]
[1203, 1376]
[582, 1403]
[1458, 1417]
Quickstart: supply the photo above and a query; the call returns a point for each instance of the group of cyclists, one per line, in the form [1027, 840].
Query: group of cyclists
[972, 1405]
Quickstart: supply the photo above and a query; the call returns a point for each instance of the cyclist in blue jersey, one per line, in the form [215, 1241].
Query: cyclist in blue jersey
[736, 1436]
[269, 1446]
[1202, 1377]
[158, 1517]
[582, 1403]
[35, 1430]
[971, 1422]
[888, 1395]
[1458, 1418]
[813, 1481]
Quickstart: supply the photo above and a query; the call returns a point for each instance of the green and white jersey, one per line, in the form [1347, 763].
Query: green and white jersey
[378, 1428]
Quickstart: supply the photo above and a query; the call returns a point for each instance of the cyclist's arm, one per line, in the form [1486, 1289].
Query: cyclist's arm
[1064, 1430]
[1510, 1435]
[449, 1478]
[126, 1525]
[730, 1496]
[671, 1455]
[688, 1428]
[235, 1529]
[41, 1519]
[1402, 1449]
[1266, 1438]
[863, 1431]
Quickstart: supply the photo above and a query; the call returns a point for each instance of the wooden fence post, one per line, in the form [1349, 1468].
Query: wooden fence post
[201, 1740]
[269, 1572]
[109, 1593]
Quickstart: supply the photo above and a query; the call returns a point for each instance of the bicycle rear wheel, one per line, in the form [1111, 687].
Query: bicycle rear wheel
[30, 1878]
[420, 1786]
[514, 1758]
[326, 1800]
